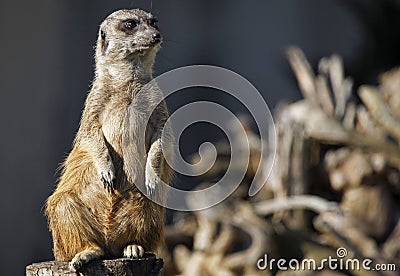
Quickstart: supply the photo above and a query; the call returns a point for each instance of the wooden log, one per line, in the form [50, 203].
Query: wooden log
[148, 265]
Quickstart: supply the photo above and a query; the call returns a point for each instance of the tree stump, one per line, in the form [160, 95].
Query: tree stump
[148, 265]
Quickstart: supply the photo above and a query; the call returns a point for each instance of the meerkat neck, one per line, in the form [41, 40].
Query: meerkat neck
[123, 72]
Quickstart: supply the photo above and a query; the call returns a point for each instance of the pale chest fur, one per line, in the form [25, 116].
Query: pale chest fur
[113, 123]
[129, 129]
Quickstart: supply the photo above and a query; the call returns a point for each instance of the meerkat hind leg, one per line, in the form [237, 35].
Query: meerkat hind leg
[89, 254]
[133, 251]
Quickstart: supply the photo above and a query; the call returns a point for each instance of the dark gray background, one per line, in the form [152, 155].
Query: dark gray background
[46, 68]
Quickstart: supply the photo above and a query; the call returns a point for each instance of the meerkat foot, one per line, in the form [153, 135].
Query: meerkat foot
[133, 251]
[84, 257]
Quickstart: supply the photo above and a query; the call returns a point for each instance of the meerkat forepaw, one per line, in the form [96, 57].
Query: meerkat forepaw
[133, 251]
[106, 171]
[150, 187]
[150, 180]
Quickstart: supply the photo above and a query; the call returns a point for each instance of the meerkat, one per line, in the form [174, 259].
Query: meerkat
[97, 211]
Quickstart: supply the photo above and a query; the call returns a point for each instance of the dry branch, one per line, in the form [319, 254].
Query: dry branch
[379, 110]
[314, 203]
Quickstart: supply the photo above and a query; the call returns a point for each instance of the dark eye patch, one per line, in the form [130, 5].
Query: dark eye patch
[128, 25]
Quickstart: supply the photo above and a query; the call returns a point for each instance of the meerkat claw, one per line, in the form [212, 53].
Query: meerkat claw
[150, 188]
[150, 192]
[108, 179]
[151, 179]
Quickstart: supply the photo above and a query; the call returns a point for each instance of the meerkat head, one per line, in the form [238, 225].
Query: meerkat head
[128, 35]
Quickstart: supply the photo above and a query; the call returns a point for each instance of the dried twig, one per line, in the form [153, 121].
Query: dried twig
[379, 111]
[303, 72]
[314, 203]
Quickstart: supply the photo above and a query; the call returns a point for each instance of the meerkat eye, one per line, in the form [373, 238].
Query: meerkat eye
[130, 25]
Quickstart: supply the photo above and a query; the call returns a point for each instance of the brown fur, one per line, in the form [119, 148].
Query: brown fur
[96, 210]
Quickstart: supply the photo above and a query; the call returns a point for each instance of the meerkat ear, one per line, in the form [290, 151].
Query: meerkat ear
[104, 41]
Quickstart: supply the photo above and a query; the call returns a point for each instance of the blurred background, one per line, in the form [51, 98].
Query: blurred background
[47, 66]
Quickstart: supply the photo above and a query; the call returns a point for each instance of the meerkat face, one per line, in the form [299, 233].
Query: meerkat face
[128, 34]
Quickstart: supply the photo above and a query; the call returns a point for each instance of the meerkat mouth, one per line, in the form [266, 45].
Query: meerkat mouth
[143, 49]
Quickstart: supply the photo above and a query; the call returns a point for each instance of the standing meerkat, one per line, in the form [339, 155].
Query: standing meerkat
[97, 211]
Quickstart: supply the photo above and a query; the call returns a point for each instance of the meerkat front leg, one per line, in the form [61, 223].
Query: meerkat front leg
[96, 146]
[91, 138]
[104, 165]
[153, 166]
[157, 170]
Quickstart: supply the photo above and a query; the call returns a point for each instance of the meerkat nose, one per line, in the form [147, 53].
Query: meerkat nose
[156, 37]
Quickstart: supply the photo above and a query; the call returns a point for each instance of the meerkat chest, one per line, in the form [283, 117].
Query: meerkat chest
[113, 125]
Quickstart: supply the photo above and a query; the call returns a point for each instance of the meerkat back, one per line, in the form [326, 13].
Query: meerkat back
[97, 211]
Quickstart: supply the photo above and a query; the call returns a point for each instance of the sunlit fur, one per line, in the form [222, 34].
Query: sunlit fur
[89, 219]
